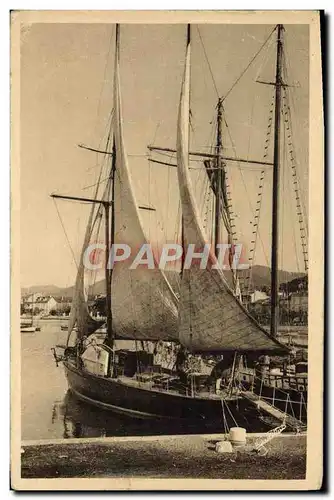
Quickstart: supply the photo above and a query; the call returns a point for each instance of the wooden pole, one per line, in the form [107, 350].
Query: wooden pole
[107, 274]
[276, 188]
[218, 177]
[110, 229]
[208, 155]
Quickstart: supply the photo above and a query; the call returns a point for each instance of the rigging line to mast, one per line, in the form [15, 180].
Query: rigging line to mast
[206, 205]
[228, 214]
[287, 64]
[289, 103]
[296, 185]
[247, 276]
[282, 204]
[293, 227]
[104, 76]
[98, 217]
[94, 273]
[245, 187]
[66, 236]
[107, 129]
[208, 62]
[248, 66]
[156, 132]
[177, 231]
[96, 226]
[208, 191]
[163, 228]
[211, 236]
[168, 198]
[193, 160]
[211, 138]
[212, 133]
[256, 220]
[294, 163]
[106, 179]
[265, 59]
[149, 235]
[158, 223]
[297, 195]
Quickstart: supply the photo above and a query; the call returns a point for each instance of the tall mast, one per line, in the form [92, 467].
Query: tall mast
[110, 237]
[107, 271]
[276, 186]
[110, 226]
[182, 221]
[218, 176]
[183, 246]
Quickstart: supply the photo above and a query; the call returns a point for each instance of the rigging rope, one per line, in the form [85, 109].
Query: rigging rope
[207, 205]
[248, 66]
[290, 197]
[302, 221]
[104, 75]
[66, 236]
[208, 62]
[291, 106]
[256, 220]
[281, 201]
[226, 429]
[245, 187]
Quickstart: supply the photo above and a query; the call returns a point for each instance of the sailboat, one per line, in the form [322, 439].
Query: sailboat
[30, 328]
[204, 319]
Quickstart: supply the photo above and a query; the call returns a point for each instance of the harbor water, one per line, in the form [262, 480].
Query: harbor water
[49, 410]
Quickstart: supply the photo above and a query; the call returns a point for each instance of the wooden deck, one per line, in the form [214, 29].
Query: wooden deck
[281, 416]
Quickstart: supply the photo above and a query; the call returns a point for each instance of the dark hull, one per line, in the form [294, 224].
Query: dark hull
[158, 406]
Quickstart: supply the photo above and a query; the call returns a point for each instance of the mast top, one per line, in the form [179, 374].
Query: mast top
[276, 188]
[117, 34]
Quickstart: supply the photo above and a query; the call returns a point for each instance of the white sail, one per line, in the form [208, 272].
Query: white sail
[144, 305]
[79, 315]
[211, 318]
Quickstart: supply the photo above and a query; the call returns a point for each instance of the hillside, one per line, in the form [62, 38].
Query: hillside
[260, 277]
[48, 290]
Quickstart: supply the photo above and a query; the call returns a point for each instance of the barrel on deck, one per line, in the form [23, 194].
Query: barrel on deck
[237, 436]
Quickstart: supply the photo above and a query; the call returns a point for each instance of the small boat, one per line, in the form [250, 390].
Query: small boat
[27, 324]
[29, 327]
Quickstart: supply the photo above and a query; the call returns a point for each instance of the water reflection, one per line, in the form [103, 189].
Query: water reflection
[82, 420]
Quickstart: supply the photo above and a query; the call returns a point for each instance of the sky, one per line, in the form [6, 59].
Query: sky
[66, 99]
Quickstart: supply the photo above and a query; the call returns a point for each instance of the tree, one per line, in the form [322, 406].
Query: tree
[67, 310]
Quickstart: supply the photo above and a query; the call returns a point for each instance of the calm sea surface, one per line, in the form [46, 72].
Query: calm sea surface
[49, 410]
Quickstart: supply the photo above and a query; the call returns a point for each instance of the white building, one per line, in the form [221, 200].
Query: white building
[45, 304]
[299, 302]
[29, 301]
[258, 295]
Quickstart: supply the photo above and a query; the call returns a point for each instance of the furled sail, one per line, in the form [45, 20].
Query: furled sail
[79, 315]
[144, 305]
[211, 318]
